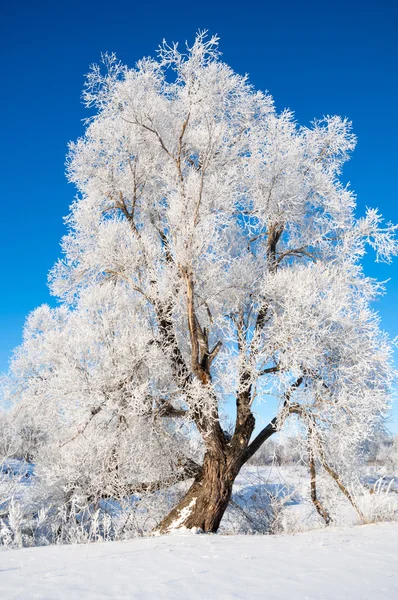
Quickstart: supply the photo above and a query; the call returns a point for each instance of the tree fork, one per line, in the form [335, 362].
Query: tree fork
[206, 501]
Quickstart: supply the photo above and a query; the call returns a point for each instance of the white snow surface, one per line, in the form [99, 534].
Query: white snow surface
[352, 563]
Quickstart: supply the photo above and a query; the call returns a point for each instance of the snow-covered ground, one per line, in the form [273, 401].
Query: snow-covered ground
[354, 563]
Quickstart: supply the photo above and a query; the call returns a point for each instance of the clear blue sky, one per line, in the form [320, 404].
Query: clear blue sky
[314, 57]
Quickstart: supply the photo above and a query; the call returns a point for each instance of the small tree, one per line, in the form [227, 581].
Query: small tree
[212, 253]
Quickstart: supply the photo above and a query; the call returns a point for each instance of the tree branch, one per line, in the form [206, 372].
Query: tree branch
[191, 470]
[273, 426]
[295, 252]
[314, 495]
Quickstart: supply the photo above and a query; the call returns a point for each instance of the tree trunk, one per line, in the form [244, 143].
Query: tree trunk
[206, 501]
[204, 504]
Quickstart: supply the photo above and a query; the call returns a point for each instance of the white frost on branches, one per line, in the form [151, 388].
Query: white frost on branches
[211, 248]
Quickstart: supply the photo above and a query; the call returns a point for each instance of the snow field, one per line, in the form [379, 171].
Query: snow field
[353, 563]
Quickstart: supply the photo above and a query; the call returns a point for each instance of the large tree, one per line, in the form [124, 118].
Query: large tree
[212, 254]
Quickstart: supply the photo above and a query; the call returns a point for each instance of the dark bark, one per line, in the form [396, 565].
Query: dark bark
[204, 504]
[321, 510]
[207, 499]
[258, 441]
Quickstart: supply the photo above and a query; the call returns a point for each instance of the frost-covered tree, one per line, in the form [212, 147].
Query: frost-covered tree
[212, 254]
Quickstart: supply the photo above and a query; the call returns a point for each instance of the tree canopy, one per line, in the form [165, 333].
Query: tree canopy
[212, 254]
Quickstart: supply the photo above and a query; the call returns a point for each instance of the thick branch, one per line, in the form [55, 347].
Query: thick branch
[274, 235]
[295, 252]
[245, 421]
[269, 370]
[193, 328]
[180, 139]
[262, 437]
[191, 470]
[342, 488]
[314, 495]
[166, 409]
[312, 432]
[167, 334]
[213, 353]
[273, 426]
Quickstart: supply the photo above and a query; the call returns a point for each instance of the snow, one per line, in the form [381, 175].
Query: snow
[349, 563]
[183, 515]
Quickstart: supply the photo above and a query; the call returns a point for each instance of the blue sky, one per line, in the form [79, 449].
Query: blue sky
[316, 58]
